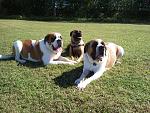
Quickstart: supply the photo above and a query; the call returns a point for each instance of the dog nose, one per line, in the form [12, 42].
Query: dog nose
[77, 39]
[79, 35]
[59, 43]
[101, 48]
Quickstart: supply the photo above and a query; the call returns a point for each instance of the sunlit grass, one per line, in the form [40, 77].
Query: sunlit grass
[33, 89]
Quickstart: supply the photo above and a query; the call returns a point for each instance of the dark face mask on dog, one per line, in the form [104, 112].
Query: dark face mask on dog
[76, 35]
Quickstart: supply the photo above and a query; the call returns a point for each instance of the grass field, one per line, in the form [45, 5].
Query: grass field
[35, 89]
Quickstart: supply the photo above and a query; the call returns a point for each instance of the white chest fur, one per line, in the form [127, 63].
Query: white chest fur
[48, 55]
[89, 64]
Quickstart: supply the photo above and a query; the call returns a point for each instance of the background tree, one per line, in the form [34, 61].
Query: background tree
[97, 9]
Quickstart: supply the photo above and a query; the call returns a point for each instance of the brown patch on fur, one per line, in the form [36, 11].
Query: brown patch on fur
[76, 51]
[118, 52]
[86, 48]
[93, 47]
[111, 58]
[49, 38]
[90, 48]
[33, 50]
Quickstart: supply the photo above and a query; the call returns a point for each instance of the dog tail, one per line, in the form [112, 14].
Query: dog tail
[7, 57]
[120, 51]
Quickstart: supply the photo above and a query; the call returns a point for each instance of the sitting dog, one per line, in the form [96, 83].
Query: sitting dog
[76, 48]
[98, 57]
[47, 50]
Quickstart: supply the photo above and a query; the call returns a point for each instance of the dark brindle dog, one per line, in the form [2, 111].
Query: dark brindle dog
[76, 47]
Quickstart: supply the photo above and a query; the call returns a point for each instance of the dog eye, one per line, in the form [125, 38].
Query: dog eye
[48, 42]
[60, 37]
[102, 43]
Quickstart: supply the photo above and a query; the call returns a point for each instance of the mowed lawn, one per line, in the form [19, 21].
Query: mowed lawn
[32, 88]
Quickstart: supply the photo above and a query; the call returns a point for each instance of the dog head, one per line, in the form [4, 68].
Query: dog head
[76, 36]
[96, 49]
[54, 42]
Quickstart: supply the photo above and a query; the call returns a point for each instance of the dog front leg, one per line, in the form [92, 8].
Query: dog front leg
[70, 53]
[84, 83]
[83, 75]
[80, 58]
[72, 58]
[47, 61]
[61, 62]
[58, 62]
[66, 59]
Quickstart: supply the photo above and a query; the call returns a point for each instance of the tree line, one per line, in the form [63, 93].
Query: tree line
[136, 9]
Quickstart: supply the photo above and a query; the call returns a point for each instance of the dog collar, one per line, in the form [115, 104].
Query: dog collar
[94, 64]
[74, 45]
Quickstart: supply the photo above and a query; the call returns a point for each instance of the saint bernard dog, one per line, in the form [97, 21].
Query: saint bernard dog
[47, 50]
[76, 47]
[98, 57]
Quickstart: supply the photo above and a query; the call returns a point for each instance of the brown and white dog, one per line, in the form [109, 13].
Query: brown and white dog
[98, 57]
[76, 48]
[48, 50]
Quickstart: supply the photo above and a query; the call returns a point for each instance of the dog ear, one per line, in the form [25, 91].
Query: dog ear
[46, 38]
[86, 47]
[80, 32]
[103, 43]
[90, 45]
[49, 37]
[71, 33]
[93, 49]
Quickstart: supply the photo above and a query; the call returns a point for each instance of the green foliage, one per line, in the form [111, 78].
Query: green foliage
[32, 88]
[101, 9]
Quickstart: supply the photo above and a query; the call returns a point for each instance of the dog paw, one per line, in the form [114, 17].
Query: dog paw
[78, 60]
[70, 63]
[81, 85]
[77, 81]
[72, 58]
[117, 62]
[74, 62]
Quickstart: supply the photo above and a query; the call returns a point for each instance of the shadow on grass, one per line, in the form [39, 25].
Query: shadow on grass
[65, 54]
[31, 64]
[27, 64]
[67, 79]
[35, 64]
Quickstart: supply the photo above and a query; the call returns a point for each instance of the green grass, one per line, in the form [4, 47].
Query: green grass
[36, 89]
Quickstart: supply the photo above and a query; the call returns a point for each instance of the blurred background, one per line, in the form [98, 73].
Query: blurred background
[100, 10]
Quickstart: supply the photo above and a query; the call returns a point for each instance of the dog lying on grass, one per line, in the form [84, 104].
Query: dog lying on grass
[98, 57]
[48, 50]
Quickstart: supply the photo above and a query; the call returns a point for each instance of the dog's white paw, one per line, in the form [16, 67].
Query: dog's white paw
[70, 63]
[79, 60]
[77, 81]
[81, 85]
[74, 62]
[118, 62]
